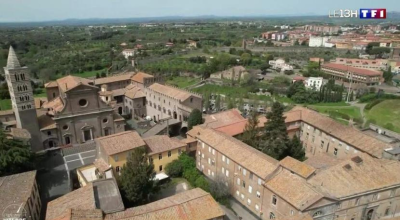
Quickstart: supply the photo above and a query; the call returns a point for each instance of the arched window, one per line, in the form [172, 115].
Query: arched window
[25, 87]
[317, 213]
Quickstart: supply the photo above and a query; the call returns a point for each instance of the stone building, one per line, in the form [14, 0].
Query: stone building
[170, 102]
[237, 73]
[77, 114]
[19, 196]
[346, 73]
[96, 203]
[324, 187]
[143, 80]
[115, 81]
[23, 103]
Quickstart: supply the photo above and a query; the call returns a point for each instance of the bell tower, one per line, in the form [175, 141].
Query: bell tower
[23, 103]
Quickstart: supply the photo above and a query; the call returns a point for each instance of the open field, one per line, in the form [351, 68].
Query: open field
[5, 104]
[182, 82]
[340, 112]
[386, 114]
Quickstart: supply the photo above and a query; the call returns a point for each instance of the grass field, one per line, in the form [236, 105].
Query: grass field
[226, 90]
[5, 104]
[386, 114]
[182, 82]
[351, 111]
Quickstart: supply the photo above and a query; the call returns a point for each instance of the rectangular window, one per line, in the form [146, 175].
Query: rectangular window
[251, 176]
[160, 167]
[209, 149]
[248, 201]
[274, 200]
[202, 155]
[237, 192]
[116, 158]
[335, 151]
[213, 151]
[209, 172]
[223, 158]
[239, 168]
[223, 170]
[227, 160]
[244, 184]
[244, 172]
[169, 153]
[259, 181]
[199, 152]
[238, 181]
[250, 189]
[322, 144]
[227, 173]
[258, 194]
[160, 156]
[209, 160]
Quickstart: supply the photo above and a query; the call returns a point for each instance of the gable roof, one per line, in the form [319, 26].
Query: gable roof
[134, 92]
[82, 198]
[16, 189]
[114, 78]
[253, 160]
[169, 91]
[139, 77]
[223, 118]
[355, 175]
[365, 72]
[297, 167]
[120, 142]
[69, 82]
[55, 105]
[162, 143]
[293, 189]
[344, 133]
[77, 214]
[194, 204]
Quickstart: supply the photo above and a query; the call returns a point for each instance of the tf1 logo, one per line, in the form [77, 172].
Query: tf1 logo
[362, 13]
[373, 13]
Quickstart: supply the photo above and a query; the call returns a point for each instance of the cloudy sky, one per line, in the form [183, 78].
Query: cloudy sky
[45, 10]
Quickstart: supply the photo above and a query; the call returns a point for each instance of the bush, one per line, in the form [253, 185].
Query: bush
[373, 103]
[191, 175]
[202, 183]
[174, 169]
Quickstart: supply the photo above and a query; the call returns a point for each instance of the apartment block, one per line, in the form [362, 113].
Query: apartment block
[379, 64]
[355, 75]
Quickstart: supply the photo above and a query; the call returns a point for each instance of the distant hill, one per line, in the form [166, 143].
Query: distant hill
[391, 17]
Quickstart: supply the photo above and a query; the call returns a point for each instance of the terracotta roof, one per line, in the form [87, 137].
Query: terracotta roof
[297, 167]
[341, 67]
[194, 204]
[82, 198]
[69, 82]
[188, 140]
[180, 94]
[51, 84]
[118, 92]
[357, 174]
[101, 165]
[120, 142]
[248, 157]
[342, 132]
[77, 214]
[322, 161]
[7, 112]
[16, 189]
[55, 105]
[20, 133]
[46, 122]
[162, 143]
[223, 118]
[139, 77]
[111, 79]
[134, 92]
[238, 127]
[40, 101]
[293, 189]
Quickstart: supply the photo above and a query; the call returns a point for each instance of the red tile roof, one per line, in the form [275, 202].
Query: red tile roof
[341, 67]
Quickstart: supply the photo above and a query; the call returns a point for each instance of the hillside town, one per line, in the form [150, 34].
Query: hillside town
[210, 119]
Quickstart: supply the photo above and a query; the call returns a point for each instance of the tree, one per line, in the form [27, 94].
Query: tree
[207, 101]
[245, 58]
[97, 75]
[218, 103]
[296, 43]
[275, 139]
[251, 131]
[195, 118]
[137, 177]
[296, 149]
[174, 169]
[218, 189]
[388, 75]
[15, 157]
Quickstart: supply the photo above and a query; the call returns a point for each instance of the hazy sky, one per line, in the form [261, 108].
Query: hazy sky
[45, 10]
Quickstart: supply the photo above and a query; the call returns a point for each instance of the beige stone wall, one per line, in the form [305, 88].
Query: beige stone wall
[217, 166]
[33, 204]
[281, 209]
[6, 118]
[116, 85]
[135, 106]
[52, 93]
[316, 141]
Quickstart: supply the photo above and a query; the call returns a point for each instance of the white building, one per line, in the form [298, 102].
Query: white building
[280, 64]
[320, 42]
[128, 53]
[314, 83]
